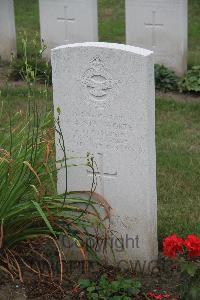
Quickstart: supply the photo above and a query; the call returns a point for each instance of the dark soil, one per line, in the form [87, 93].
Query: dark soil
[164, 276]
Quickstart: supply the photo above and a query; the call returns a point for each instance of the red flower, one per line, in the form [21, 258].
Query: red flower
[172, 245]
[192, 243]
[173, 267]
[156, 296]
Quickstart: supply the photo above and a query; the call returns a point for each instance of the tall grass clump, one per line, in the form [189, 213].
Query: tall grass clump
[32, 213]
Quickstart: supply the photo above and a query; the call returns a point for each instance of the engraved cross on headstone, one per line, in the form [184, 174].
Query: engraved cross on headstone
[153, 26]
[99, 171]
[66, 20]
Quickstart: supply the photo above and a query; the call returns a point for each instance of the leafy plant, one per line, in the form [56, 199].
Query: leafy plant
[119, 289]
[191, 81]
[32, 213]
[30, 207]
[165, 79]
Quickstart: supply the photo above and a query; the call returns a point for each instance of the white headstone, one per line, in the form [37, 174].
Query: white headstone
[162, 26]
[67, 21]
[7, 30]
[106, 96]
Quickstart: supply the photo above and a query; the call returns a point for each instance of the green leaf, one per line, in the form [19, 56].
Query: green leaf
[39, 209]
[94, 296]
[133, 291]
[84, 283]
[91, 289]
[120, 298]
[189, 267]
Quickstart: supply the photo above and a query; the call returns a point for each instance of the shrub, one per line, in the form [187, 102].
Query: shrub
[165, 79]
[191, 81]
[30, 208]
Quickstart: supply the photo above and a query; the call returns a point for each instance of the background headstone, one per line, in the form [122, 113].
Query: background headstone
[7, 30]
[162, 26]
[67, 21]
[105, 93]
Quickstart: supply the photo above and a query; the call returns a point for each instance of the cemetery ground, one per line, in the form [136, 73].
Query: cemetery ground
[178, 153]
[178, 165]
[178, 150]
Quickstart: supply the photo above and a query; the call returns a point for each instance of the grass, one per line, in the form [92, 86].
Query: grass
[178, 167]
[111, 24]
[178, 160]
[16, 98]
[112, 21]
[27, 21]
[194, 33]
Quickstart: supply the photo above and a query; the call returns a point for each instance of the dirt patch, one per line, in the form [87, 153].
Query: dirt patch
[179, 97]
[165, 277]
[10, 290]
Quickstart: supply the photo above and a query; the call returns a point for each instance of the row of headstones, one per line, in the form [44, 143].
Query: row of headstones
[106, 97]
[158, 25]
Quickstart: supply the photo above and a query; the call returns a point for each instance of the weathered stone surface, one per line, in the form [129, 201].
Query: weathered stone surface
[7, 30]
[67, 21]
[105, 93]
[162, 26]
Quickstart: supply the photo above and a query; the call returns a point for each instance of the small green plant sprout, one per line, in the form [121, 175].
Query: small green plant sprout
[118, 289]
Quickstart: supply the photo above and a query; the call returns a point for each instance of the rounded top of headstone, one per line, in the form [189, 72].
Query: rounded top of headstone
[122, 47]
